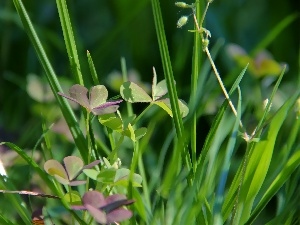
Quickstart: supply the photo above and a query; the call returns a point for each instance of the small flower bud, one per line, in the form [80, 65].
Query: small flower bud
[205, 43]
[182, 21]
[183, 5]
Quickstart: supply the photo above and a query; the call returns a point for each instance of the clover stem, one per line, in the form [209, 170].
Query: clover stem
[141, 114]
[87, 124]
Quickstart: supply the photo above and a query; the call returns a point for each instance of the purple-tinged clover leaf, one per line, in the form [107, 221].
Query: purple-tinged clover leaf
[105, 210]
[133, 93]
[67, 173]
[96, 103]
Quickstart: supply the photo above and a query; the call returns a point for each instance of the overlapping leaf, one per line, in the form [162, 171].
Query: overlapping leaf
[105, 210]
[67, 173]
[96, 103]
[133, 93]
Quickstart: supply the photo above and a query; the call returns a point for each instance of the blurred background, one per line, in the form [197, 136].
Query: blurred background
[113, 29]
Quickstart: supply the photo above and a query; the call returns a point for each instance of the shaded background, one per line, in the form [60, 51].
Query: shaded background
[118, 28]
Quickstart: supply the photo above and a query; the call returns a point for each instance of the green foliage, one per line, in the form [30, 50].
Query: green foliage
[201, 163]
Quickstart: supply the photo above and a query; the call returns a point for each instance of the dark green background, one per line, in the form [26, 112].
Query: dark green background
[125, 28]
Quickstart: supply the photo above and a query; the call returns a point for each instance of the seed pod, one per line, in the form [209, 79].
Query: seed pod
[182, 21]
[205, 43]
[183, 5]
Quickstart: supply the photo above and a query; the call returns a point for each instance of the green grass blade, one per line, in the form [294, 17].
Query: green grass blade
[238, 80]
[69, 40]
[274, 33]
[15, 201]
[53, 81]
[282, 177]
[33, 164]
[4, 221]
[257, 167]
[92, 69]
[197, 56]
[268, 106]
[43, 175]
[165, 57]
[226, 165]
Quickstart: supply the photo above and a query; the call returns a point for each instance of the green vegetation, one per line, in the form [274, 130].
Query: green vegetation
[149, 112]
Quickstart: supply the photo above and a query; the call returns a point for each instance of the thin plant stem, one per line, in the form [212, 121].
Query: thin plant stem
[221, 84]
[204, 14]
[141, 114]
[213, 64]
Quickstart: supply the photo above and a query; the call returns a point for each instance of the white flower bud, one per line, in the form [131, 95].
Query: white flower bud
[182, 21]
[183, 5]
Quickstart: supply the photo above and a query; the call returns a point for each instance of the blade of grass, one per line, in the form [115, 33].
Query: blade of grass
[268, 106]
[218, 219]
[278, 29]
[16, 201]
[197, 56]
[53, 81]
[33, 164]
[167, 67]
[292, 164]
[69, 40]
[217, 120]
[92, 69]
[165, 57]
[43, 175]
[5, 221]
[257, 167]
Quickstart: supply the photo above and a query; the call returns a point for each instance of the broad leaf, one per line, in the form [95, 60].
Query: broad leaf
[166, 105]
[73, 166]
[98, 95]
[131, 92]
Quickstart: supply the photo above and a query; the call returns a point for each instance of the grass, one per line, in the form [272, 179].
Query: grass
[241, 167]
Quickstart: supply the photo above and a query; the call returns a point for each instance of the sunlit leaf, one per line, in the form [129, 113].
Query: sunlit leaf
[91, 173]
[97, 103]
[122, 178]
[53, 167]
[131, 92]
[166, 105]
[111, 121]
[140, 132]
[160, 90]
[107, 176]
[73, 198]
[98, 95]
[73, 166]
[79, 93]
[66, 174]
[106, 108]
